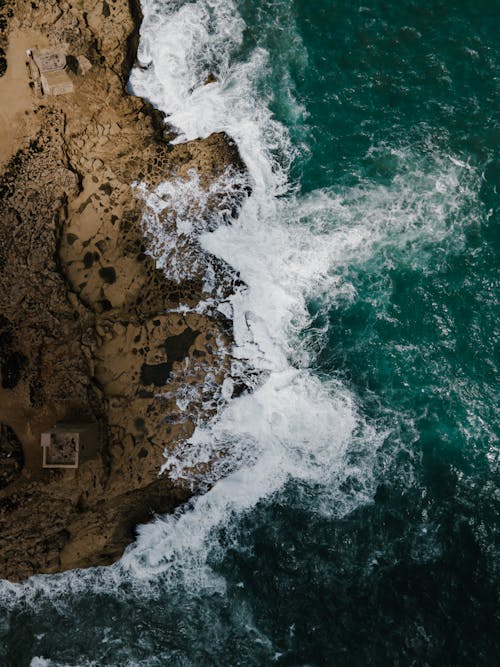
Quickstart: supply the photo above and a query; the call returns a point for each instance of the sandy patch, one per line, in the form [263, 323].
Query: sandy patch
[16, 99]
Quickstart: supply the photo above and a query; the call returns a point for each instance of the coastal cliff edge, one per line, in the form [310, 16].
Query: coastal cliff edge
[90, 330]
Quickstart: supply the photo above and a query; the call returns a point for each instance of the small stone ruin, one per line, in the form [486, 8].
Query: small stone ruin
[49, 71]
[68, 445]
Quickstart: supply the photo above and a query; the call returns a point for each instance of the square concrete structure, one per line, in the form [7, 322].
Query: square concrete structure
[54, 76]
[56, 83]
[68, 445]
[49, 61]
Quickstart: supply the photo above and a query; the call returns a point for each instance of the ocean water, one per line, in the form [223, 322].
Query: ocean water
[356, 519]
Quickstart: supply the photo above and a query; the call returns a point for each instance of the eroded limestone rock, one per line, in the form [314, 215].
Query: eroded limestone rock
[89, 327]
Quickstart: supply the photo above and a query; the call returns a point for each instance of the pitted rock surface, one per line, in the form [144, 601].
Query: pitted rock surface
[90, 329]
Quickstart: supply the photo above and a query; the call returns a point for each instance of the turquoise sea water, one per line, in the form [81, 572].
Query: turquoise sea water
[362, 528]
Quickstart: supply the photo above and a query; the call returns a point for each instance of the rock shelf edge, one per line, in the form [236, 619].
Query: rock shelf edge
[90, 329]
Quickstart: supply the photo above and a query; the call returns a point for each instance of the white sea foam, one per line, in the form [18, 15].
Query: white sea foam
[177, 212]
[293, 426]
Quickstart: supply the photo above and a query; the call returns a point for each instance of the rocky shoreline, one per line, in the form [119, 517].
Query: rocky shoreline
[90, 329]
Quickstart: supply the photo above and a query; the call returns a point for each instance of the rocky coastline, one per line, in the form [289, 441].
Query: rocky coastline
[90, 329]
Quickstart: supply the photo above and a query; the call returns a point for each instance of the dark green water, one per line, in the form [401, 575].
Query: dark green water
[391, 110]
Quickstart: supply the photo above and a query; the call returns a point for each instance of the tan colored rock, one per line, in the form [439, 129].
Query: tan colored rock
[87, 322]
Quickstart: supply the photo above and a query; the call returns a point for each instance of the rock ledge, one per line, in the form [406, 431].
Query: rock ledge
[90, 329]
